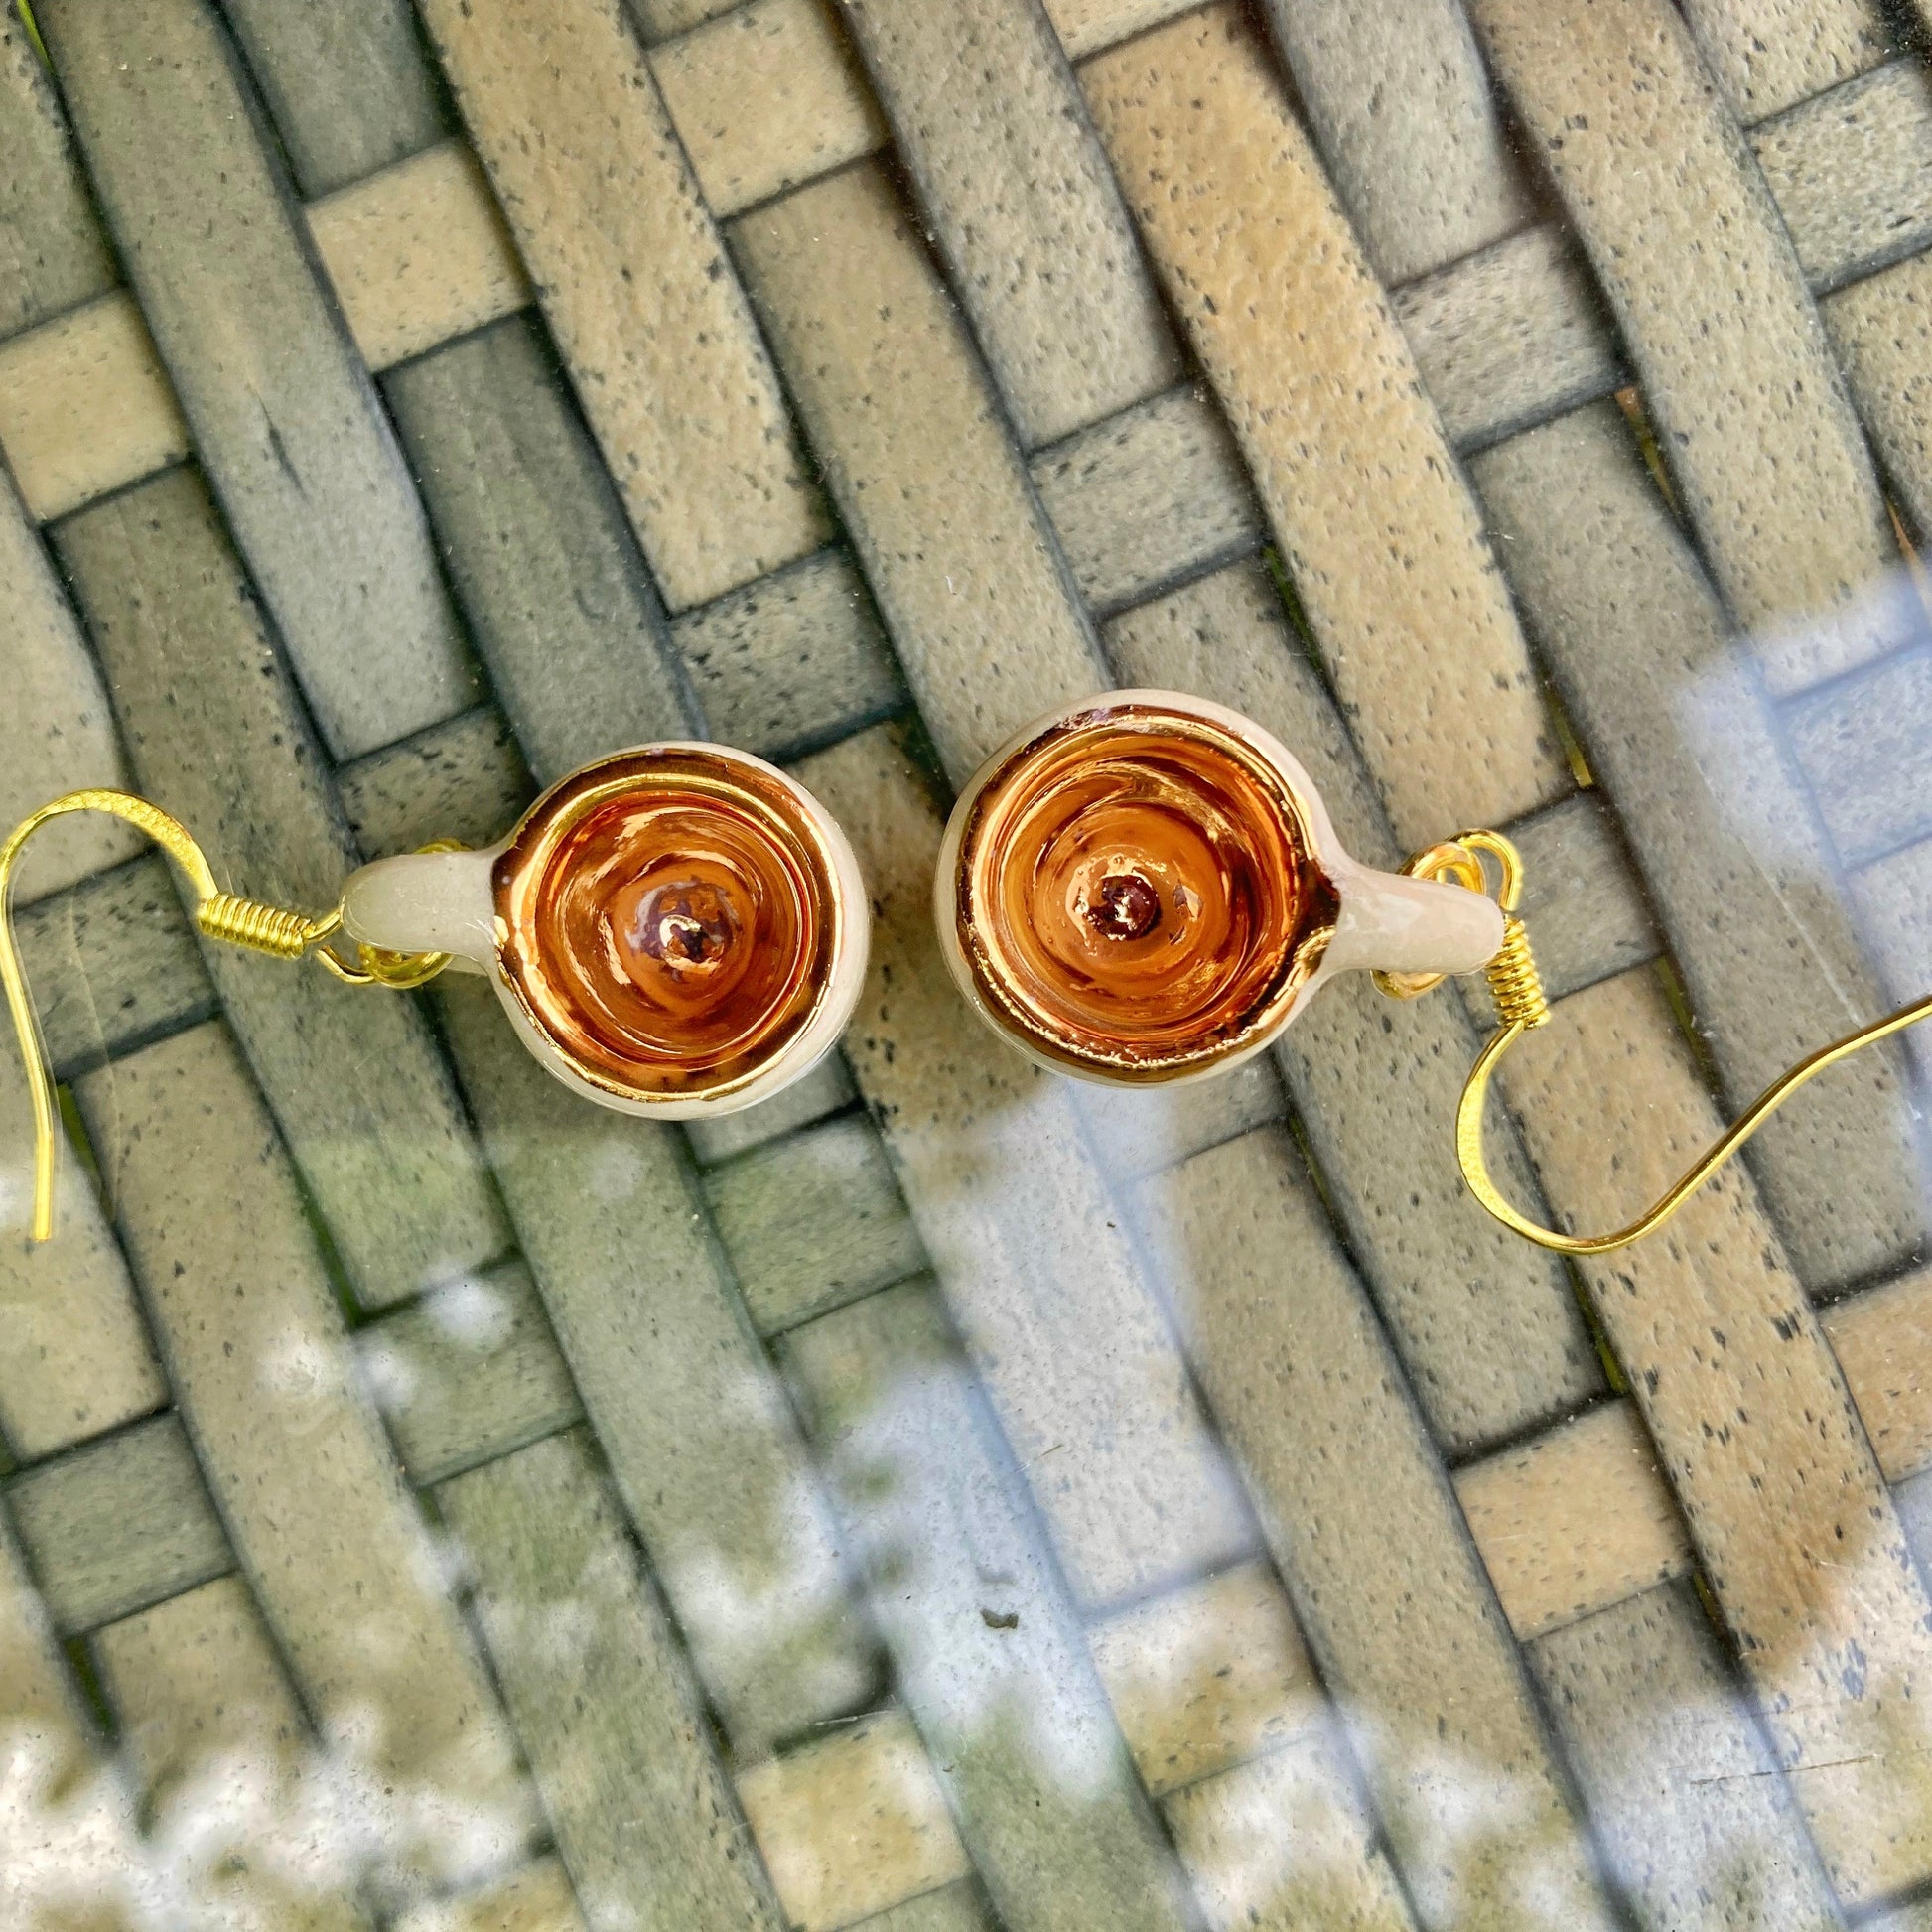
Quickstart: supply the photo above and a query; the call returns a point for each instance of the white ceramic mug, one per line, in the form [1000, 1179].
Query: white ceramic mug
[679, 930]
[1145, 886]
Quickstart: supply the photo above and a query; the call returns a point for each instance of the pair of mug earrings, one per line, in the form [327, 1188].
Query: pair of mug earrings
[1140, 889]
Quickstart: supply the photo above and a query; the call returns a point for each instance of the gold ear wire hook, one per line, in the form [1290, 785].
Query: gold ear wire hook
[1517, 990]
[220, 915]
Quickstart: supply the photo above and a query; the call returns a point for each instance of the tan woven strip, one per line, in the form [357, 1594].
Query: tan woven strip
[1086, 25]
[1848, 171]
[814, 1221]
[853, 1825]
[1023, 206]
[1687, 245]
[796, 658]
[85, 407]
[52, 253]
[1509, 337]
[1574, 1521]
[306, 1480]
[1884, 1342]
[469, 1372]
[536, 1899]
[1207, 1676]
[56, 730]
[902, 416]
[119, 1524]
[1581, 1517]
[113, 963]
[1287, 1840]
[660, 19]
[633, 280]
[953, 1908]
[1391, 98]
[788, 64]
[1793, 1522]
[1883, 333]
[418, 254]
[203, 1705]
[1147, 497]
[1768, 55]
[1380, 535]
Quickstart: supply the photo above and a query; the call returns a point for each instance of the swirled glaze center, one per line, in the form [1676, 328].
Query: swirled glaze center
[669, 919]
[1135, 891]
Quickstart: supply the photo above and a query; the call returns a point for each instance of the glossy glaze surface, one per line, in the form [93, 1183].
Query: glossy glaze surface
[669, 919]
[1135, 893]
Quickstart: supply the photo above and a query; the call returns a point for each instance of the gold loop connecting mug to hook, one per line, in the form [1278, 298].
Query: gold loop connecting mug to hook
[270, 929]
[1517, 990]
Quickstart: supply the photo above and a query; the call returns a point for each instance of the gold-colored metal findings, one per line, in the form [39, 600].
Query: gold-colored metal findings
[1517, 990]
[1136, 893]
[270, 929]
[669, 919]
[1514, 982]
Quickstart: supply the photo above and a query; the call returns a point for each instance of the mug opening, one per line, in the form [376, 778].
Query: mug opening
[669, 919]
[1137, 893]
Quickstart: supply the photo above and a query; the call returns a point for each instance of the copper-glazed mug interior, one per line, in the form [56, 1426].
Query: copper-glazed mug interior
[1137, 895]
[669, 919]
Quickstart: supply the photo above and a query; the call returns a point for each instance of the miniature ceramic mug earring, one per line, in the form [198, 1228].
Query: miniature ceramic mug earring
[678, 930]
[1144, 887]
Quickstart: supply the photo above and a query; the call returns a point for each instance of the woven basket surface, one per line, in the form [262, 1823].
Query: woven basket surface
[944, 1497]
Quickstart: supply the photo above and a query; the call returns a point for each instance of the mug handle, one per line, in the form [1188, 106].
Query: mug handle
[1392, 924]
[426, 903]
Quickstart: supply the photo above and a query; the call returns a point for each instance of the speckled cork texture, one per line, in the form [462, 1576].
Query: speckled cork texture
[1753, 416]
[941, 1498]
[1361, 535]
[987, 113]
[627, 261]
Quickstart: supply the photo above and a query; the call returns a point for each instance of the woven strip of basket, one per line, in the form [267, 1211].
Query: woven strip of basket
[943, 1498]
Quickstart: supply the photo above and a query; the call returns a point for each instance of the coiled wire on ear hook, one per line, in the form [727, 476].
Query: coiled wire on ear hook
[1517, 990]
[269, 929]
